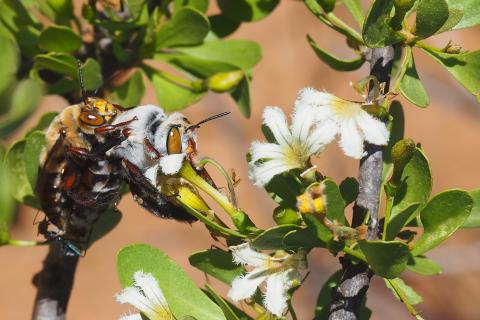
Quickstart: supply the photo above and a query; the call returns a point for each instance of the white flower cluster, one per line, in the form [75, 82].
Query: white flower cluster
[280, 272]
[317, 118]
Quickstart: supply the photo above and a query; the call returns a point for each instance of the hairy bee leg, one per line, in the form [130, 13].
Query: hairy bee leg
[114, 127]
[153, 153]
[149, 197]
[82, 154]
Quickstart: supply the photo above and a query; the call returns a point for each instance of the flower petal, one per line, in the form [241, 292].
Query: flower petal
[302, 122]
[275, 120]
[276, 293]
[261, 150]
[171, 163]
[323, 134]
[244, 254]
[134, 297]
[134, 316]
[149, 285]
[352, 140]
[320, 100]
[244, 286]
[374, 130]
[262, 174]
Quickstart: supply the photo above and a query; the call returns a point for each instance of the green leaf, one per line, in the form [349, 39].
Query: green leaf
[302, 238]
[396, 127]
[455, 15]
[222, 26]
[284, 188]
[59, 39]
[187, 27]
[107, 221]
[172, 96]
[217, 263]
[318, 229]
[227, 309]
[131, 92]
[241, 95]
[473, 220]
[9, 57]
[16, 174]
[410, 294]
[431, 16]
[21, 25]
[181, 293]
[247, 10]
[416, 184]
[355, 8]
[349, 189]
[201, 68]
[200, 5]
[324, 298]
[388, 259]
[334, 62]
[335, 203]
[462, 66]
[135, 7]
[243, 54]
[424, 266]
[376, 29]
[59, 11]
[411, 86]
[272, 238]
[7, 204]
[26, 96]
[61, 63]
[35, 142]
[44, 122]
[471, 13]
[400, 219]
[441, 217]
[92, 74]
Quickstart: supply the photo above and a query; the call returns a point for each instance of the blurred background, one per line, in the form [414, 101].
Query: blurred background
[449, 131]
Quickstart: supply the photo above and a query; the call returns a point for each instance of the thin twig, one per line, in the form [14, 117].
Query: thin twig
[54, 284]
[349, 295]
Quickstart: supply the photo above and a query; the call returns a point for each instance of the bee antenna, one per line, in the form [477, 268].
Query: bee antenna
[82, 85]
[216, 116]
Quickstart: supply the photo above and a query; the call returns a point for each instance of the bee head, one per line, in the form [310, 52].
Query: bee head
[172, 136]
[98, 112]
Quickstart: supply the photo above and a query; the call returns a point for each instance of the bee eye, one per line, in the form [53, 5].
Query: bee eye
[174, 143]
[91, 118]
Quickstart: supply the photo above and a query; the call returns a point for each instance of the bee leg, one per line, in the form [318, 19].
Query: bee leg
[81, 155]
[114, 127]
[149, 197]
[151, 151]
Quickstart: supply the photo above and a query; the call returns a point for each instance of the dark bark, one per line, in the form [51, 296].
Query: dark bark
[348, 297]
[54, 284]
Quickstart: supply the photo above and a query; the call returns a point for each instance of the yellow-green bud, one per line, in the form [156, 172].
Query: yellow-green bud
[401, 9]
[402, 152]
[199, 85]
[403, 4]
[283, 215]
[224, 81]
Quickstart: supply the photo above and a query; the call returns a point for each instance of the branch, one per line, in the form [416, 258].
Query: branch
[54, 284]
[349, 295]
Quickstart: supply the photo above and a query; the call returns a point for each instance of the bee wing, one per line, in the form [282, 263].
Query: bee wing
[149, 197]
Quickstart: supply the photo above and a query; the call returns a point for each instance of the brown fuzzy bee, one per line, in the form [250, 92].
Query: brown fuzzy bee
[77, 182]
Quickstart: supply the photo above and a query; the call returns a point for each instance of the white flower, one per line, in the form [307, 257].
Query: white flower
[279, 271]
[147, 297]
[344, 117]
[294, 147]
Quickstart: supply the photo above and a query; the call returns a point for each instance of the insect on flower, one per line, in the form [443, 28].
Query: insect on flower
[154, 148]
[76, 181]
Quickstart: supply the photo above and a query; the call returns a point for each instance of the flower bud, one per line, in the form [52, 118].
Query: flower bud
[224, 81]
[283, 215]
[402, 152]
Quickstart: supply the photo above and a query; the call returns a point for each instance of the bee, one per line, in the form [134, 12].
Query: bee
[154, 147]
[76, 181]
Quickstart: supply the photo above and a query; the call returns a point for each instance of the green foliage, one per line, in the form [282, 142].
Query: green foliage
[247, 10]
[388, 259]
[431, 16]
[405, 291]
[473, 220]
[59, 39]
[424, 266]
[230, 312]
[335, 202]
[411, 86]
[217, 263]
[181, 293]
[334, 62]
[471, 12]
[131, 92]
[272, 238]
[377, 31]
[441, 217]
[349, 190]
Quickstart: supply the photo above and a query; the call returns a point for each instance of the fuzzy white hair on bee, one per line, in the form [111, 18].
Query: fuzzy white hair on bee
[155, 140]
